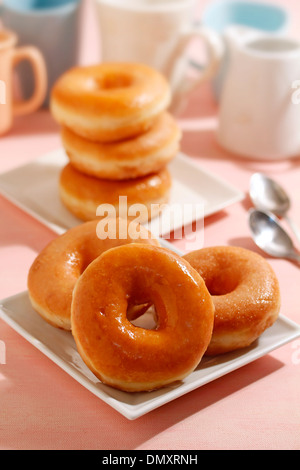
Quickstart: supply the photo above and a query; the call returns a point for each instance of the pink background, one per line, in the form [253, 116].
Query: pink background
[256, 407]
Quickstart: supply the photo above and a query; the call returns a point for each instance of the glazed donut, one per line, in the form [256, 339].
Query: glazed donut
[132, 358]
[109, 101]
[131, 158]
[245, 293]
[82, 194]
[54, 273]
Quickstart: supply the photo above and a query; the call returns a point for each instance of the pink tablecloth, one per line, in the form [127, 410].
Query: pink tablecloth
[256, 407]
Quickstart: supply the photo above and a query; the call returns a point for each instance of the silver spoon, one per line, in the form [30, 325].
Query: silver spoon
[270, 237]
[267, 195]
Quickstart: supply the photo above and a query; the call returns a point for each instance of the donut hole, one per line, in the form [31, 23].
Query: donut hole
[115, 81]
[150, 300]
[222, 283]
[148, 319]
[85, 261]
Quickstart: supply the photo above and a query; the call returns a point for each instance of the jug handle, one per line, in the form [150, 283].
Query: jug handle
[215, 48]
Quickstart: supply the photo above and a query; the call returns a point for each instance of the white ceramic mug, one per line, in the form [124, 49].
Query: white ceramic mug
[158, 33]
[258, 117]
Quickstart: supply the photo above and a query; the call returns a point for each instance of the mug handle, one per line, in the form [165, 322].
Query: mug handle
[37, 61]
[215, 48]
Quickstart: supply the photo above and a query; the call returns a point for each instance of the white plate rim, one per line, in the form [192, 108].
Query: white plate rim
[236, 194]
[132, 412]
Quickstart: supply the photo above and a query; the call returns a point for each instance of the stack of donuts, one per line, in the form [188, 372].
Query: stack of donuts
[118, 135]
[209, 302]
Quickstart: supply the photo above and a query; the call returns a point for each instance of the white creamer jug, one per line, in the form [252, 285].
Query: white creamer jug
[258, 116]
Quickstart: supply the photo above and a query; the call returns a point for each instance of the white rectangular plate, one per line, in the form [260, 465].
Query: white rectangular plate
[60, 347]
[34, 188]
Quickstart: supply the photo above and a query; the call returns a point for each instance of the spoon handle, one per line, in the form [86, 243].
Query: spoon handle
[293, 227]
[295, 257]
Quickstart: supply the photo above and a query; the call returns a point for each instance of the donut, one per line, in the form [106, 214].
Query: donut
[55, 271]
[132, 358]
[245, 292]
[82, 194]
[130, 158]
[109, 101]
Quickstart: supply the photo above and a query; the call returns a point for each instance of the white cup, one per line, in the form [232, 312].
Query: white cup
[259, 115]
[158, 33]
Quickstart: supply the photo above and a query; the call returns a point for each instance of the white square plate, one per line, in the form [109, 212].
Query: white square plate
[59, 346]
[34, 188]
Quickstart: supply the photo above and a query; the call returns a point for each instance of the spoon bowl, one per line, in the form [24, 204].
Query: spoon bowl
[270, 237]
[268, 196]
